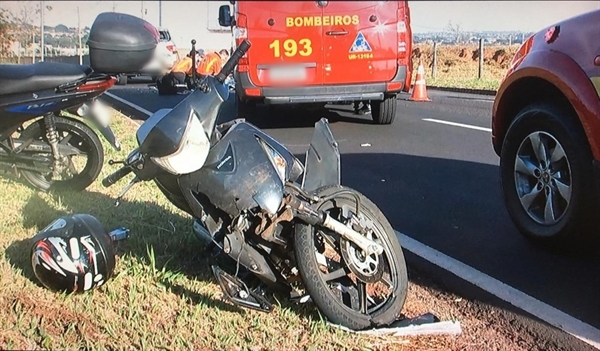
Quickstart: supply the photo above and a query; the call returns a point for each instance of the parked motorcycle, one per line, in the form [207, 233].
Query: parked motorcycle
[46, 152]
[291, 225]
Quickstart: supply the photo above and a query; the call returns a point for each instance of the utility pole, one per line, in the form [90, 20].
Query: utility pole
[42, 47]
[79, 35]
[159, 13]
[142, 9]
[114, 6]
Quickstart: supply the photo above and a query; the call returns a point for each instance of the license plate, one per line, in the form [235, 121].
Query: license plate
[287, 73]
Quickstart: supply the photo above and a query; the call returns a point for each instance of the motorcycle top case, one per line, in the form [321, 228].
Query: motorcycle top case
[121, 43]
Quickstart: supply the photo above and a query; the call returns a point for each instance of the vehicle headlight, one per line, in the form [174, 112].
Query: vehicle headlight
[276, 159]
[192, 153]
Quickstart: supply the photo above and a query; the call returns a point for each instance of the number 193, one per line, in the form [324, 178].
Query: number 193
[291, 47]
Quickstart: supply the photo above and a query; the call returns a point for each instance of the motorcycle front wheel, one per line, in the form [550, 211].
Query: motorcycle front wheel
[349, 288]
[79, 170]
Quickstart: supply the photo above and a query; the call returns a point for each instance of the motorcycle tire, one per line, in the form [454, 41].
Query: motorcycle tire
[323, 293]
[85, 139]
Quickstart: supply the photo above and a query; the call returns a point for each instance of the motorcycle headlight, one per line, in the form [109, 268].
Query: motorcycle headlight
[192, 153]
[276, 159]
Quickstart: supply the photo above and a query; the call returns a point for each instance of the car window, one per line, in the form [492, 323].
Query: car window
[164, 35]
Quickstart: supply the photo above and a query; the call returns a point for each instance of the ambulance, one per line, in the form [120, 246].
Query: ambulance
[322, 51]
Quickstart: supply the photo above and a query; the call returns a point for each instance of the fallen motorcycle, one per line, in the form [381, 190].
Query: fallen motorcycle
[291, 225]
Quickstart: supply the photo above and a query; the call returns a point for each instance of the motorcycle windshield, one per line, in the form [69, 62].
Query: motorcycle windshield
[162, 134]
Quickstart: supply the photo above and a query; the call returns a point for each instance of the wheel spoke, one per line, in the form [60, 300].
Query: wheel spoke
[527, 199]
[335, 274]
[539, 148]
[66, 139]
[557, 154]
[525, 166]
[563, 189]
[549, 209]
[362, 296]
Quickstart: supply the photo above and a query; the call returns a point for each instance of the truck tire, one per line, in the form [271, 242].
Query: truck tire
[384, 111]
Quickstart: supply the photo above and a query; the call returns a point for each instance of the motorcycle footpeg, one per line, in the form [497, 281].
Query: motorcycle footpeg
[237, 292]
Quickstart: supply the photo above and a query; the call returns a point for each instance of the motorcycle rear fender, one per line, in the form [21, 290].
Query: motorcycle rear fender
[322, 165]
[103, 127]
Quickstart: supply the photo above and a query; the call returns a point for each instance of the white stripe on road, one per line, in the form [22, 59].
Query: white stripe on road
[457, 124]
[132, 105]
[546, 313]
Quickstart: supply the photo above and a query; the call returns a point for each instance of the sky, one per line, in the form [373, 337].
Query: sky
[528, 16]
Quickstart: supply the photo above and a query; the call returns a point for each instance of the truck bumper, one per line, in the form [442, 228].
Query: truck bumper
[318, 93]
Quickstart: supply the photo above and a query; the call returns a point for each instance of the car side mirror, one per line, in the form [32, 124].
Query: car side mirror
[224, 16]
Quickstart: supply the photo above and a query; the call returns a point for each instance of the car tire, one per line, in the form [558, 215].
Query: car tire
[122, 80]
[384, 111]
[547, 194]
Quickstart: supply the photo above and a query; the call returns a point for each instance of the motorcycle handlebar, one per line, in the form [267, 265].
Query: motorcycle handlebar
[116, 176]
[233, 60]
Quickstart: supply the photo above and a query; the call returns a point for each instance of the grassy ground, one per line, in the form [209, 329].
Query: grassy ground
[458, 66]
[163, 296]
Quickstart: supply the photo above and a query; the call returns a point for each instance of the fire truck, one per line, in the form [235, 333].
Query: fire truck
[322, 51]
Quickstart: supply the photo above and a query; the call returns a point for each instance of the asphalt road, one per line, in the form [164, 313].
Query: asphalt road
[438, 184]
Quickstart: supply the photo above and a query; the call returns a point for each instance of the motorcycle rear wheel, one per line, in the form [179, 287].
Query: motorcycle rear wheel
[340, 290]
[75, 134]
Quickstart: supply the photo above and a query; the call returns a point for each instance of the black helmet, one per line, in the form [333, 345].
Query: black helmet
[73, 254]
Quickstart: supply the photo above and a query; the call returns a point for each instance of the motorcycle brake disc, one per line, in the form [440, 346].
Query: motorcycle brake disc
[367, 269]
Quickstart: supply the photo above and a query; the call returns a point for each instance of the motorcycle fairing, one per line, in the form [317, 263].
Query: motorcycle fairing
[322, 165]
[162, 133]
[238, 174]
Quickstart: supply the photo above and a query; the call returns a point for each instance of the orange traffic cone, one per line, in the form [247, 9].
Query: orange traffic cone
[419, 90]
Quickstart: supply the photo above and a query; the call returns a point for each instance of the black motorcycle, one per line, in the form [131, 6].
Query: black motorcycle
[291, 225]
[55, 151]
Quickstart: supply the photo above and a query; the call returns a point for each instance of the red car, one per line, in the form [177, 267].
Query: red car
[546, 130]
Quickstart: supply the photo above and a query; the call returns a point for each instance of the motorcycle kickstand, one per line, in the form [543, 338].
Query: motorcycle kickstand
[238, 292]
[52, 137]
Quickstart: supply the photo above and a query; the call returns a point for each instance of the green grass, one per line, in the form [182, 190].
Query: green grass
[162, 295]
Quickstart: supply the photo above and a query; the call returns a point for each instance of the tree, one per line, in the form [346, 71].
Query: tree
[61, 28]
[456, 32]
[6, 36]
[26, 21]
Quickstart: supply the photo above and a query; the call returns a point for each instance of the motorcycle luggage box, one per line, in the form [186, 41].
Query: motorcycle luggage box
[121, 43]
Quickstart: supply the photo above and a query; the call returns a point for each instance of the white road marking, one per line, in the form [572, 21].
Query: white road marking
[457, 124]
[517, 298]
[130, 104]
[546, 313]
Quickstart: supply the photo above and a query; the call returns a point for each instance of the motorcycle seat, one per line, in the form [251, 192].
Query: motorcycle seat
[35, 77]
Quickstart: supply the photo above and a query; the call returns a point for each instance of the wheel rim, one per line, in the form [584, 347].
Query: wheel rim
[543, 178]
[73, 165]
[350, 292]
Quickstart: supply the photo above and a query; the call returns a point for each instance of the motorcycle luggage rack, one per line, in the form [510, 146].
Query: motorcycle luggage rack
[238, 293]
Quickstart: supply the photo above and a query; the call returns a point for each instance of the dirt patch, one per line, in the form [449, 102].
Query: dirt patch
[455, 55]
[49, 319]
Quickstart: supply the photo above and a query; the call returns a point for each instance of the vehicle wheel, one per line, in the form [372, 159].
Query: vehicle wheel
[349, 289]
[245, 109]
[384, 111]
[546, 174]
[122, 80]
[77, 135]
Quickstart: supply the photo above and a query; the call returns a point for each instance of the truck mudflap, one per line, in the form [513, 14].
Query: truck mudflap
[319, 93]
